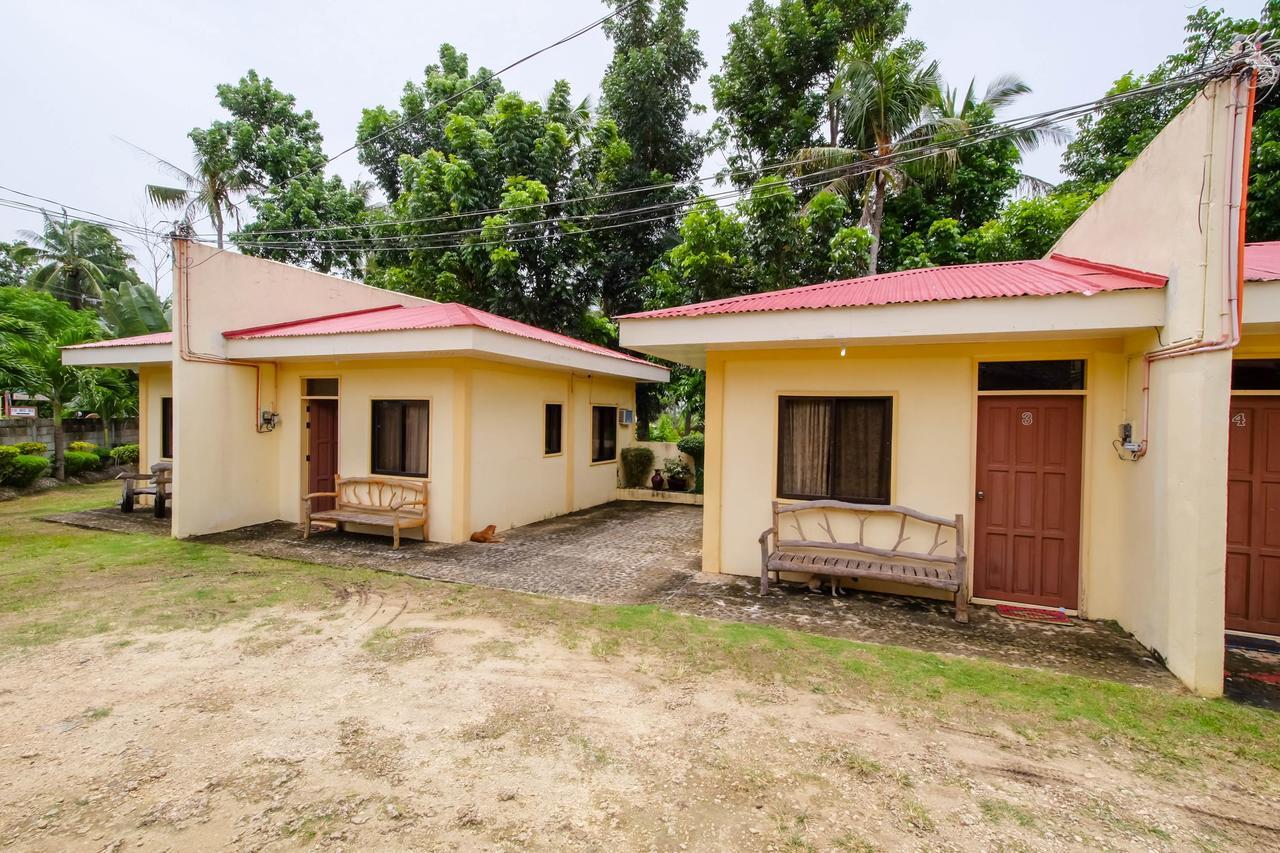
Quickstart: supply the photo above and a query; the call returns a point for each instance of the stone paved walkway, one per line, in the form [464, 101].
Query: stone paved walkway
[645, 553]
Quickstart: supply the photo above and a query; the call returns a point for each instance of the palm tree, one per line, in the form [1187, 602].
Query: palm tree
[880, 109]
[213, 185]
[35, 349]
[971, 111]
[109, 394]
[69, 254]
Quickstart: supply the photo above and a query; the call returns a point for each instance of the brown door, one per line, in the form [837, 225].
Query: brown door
[1027, 529]
[322, 450]
[1253, 516]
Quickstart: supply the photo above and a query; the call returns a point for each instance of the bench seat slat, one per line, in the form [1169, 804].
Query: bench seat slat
[791, 561]
[371, 517]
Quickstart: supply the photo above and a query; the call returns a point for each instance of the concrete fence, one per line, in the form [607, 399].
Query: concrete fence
[16, 430]
[662, 451]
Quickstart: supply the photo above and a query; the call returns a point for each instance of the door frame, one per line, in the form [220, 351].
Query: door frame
[304, 434]
[1044, 353]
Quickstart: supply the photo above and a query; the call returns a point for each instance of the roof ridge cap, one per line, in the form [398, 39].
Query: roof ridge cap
[284, 324]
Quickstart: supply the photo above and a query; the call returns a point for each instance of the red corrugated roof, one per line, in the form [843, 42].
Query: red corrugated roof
[1046, 277]
[398, 318]
[1262, 261]
[137, 340]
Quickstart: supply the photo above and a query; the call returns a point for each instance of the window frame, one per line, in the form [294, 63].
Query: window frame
[373, 437]
[559, 451]
[886, 461]
[614, 423]
[166, 428]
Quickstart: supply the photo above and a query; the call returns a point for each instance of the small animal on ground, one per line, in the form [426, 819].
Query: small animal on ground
[489, 534]
[815, 584]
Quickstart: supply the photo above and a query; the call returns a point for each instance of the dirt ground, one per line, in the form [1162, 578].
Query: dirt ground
[391, 721]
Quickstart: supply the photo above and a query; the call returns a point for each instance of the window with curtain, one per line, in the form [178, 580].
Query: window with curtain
[835, 447]
[401, 437]
[552, 429]
[604, 433]
[166, 427]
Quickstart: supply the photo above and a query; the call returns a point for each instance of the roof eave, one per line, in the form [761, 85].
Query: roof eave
[468, 341]
[125, 356]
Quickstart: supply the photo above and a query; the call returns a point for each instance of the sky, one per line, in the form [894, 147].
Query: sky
[82, 76]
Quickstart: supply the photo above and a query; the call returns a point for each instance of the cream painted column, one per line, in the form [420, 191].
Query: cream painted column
[461, 454]
[1191, 457]
[713, 463]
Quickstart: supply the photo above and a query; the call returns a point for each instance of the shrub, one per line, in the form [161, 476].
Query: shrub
[77, 463]
[103, 454]
[125, 454]
[676, 469]
[26, 470]
[636, 462]
[694, 444]
[82, 447]
[32, 448]
[8, 453]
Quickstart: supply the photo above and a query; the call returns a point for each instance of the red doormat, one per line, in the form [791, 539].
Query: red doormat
[1033, 614]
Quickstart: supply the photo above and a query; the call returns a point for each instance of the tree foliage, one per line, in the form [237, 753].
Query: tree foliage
[772, 89]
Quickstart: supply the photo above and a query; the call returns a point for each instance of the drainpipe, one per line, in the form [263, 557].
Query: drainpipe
[1232, 315]
[182, 298]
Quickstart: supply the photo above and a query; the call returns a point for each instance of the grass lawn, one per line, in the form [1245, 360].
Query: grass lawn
[65, 591]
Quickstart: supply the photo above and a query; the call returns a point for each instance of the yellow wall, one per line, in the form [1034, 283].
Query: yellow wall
[359, 384]
[934, 389]
[154, 383]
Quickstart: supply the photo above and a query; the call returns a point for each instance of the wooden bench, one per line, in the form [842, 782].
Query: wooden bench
[820, 550]
[158, 485]
[372, 501]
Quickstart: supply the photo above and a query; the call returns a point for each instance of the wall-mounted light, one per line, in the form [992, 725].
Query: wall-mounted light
[842, 352]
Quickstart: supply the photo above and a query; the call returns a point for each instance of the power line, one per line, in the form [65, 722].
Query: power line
[476, 85]
[1044, 119]
[447, 239]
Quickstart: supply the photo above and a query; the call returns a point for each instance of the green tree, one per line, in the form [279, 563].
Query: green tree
[882, 106]
[773, 87]
[15, 265]
[647, 97]
[1108, 141]
[215, 185]
[39, 327]
[73, 259]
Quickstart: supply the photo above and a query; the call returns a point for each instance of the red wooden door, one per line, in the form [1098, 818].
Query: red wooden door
[1253, 516]
[1027, 526]
[322, 450]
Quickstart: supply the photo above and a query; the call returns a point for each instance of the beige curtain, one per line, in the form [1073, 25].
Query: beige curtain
[416, 442]
[805, 452]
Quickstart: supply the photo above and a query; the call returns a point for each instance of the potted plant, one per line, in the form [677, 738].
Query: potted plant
[678, 475]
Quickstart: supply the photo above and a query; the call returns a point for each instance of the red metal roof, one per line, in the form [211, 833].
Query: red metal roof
[137, 340]
[396, 318]
[1043, 277]
[1262, 261]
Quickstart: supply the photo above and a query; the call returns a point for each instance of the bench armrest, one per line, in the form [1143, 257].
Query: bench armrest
[764, 537]
[127, 475]
[319, 495]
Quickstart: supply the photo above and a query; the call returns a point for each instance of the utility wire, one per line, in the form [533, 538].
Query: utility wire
[1048, 118]
[476, 85]
[447, 239]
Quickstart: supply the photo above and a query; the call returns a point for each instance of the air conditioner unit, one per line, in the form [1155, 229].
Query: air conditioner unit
[626, 417]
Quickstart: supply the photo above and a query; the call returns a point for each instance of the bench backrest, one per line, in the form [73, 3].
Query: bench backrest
[872, 529]
[374, 494]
